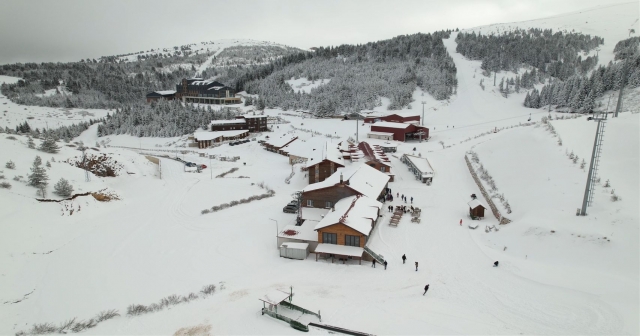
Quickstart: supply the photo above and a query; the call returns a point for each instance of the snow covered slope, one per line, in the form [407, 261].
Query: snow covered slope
[611, 22]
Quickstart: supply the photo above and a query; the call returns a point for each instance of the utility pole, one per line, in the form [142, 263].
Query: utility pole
[210, 170]
[423, 102]
[277, 231]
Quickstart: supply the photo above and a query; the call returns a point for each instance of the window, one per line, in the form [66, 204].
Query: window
[352, 240]
[329, 238]
[327, 204]
[310, 203]
[383, 169]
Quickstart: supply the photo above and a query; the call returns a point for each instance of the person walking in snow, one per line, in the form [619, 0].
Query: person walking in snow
[385, 265]
[373, 263]
[411, 199]
[404, 258]
[460, 222]
[426, 288]
[495, 264]
[397, 194]
[416, 266]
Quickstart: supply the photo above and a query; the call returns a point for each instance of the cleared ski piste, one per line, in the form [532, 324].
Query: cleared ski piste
[154, 242]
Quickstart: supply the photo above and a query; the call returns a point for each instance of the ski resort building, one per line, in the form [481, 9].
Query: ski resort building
[372, 156]
[161, 95]
[300, 151]
[250, 123]
[359, 179]
[401, 131]
[324, 163]
[206, 139]
[197, 90]
[420, 167]
[277, 145]
[391, 118]
[345, 229]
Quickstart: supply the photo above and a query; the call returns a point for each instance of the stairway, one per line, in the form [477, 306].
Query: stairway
[596, 159]
[379, 258]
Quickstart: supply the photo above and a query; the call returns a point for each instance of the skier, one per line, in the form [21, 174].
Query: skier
[426, 288]
[411, 199]
[460, 222]
[495, 264]
[397, 194]
[385, 265]
[416, 266]
[373, 263]
[404, 258]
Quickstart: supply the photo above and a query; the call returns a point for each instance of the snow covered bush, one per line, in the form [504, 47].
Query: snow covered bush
[11, 137]
[106, 315]
[5, 185]
[614, 197]
[137, 309]
[38, 176]
[10, 165]
[49, 145]
[63, 188]
[208, 290]
[30, 143]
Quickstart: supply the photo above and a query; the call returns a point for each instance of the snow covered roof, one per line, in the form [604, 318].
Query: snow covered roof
[328, 152]
[421, 163]
[390, 124]
[305, 148]
[299, 246]
[205, 82]
[165, 92]
[305, 232]
[200, 136]
[281, 141]
[362, 178]
[216, 88]
[254, 116]
[313, 214]
[232, 121]
[475, 203]
[368, 153]
[275, 296]
[356, 212]
[344, 250]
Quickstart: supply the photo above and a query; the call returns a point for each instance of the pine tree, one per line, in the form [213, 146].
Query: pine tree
[49, 145]
[63, 188]
[30, 143]
[10, 165]
[38, 176]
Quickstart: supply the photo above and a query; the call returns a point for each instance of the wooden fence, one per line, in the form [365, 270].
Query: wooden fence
[494, 209]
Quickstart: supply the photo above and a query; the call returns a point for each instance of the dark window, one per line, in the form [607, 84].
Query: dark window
[329, 238]
[352, 240]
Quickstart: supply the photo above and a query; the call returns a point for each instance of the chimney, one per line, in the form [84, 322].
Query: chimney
[341, 180]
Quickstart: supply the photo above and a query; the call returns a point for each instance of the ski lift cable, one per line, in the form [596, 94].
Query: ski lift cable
[486, 122]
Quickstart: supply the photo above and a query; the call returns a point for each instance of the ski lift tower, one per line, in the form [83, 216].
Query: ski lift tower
[601, 119]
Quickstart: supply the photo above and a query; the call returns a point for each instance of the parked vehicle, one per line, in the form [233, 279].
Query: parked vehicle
[232, 144]
[290, 208]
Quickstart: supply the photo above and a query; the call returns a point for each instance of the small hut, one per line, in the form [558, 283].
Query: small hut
[476, 209]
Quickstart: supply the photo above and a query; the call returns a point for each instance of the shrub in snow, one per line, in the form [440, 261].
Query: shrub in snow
[208, 290]
[42, 328]
[17, 178]
[575, 159]
[606, 184]
[49, 145]
[582, 164]
[5, 185]
[106, 315]
[1, 177]
[10, 164]
[135, 310]
[614, 197]
[63, 188]
[205, 211]
[38, 176]
[48, 164]
[559, 141]
[11, 137]
[571, 155]
[30, 143]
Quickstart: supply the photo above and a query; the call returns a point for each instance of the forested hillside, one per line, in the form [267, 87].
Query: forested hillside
[360, 75]
[556, 54]
[579, 92]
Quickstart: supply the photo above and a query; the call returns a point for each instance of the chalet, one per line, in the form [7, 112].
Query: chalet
[476, 209]
[300, 151]
[197, 90]
[391, 118]
[372, 156]
[346, 228]
[324, 163]
[276, 144]
[205, 139]
[401, 131]
[161, 95]
[420, 167]
[345, 182]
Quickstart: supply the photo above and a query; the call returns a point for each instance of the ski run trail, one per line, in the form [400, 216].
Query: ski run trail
[558, 273]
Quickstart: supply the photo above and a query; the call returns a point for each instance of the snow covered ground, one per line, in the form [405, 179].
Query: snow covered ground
[558, 274]
[305, 85]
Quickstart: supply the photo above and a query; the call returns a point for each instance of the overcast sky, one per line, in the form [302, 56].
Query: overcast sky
[68, 30]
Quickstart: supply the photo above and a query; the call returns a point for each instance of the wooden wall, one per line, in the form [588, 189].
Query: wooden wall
[331, 194]
[341, 230]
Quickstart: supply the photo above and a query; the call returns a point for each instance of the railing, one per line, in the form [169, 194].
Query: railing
[339, 330]
[494, 209]
[300, 309]
[379, 258]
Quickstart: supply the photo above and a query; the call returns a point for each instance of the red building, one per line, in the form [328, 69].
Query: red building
[401, 131]
[392, 118]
